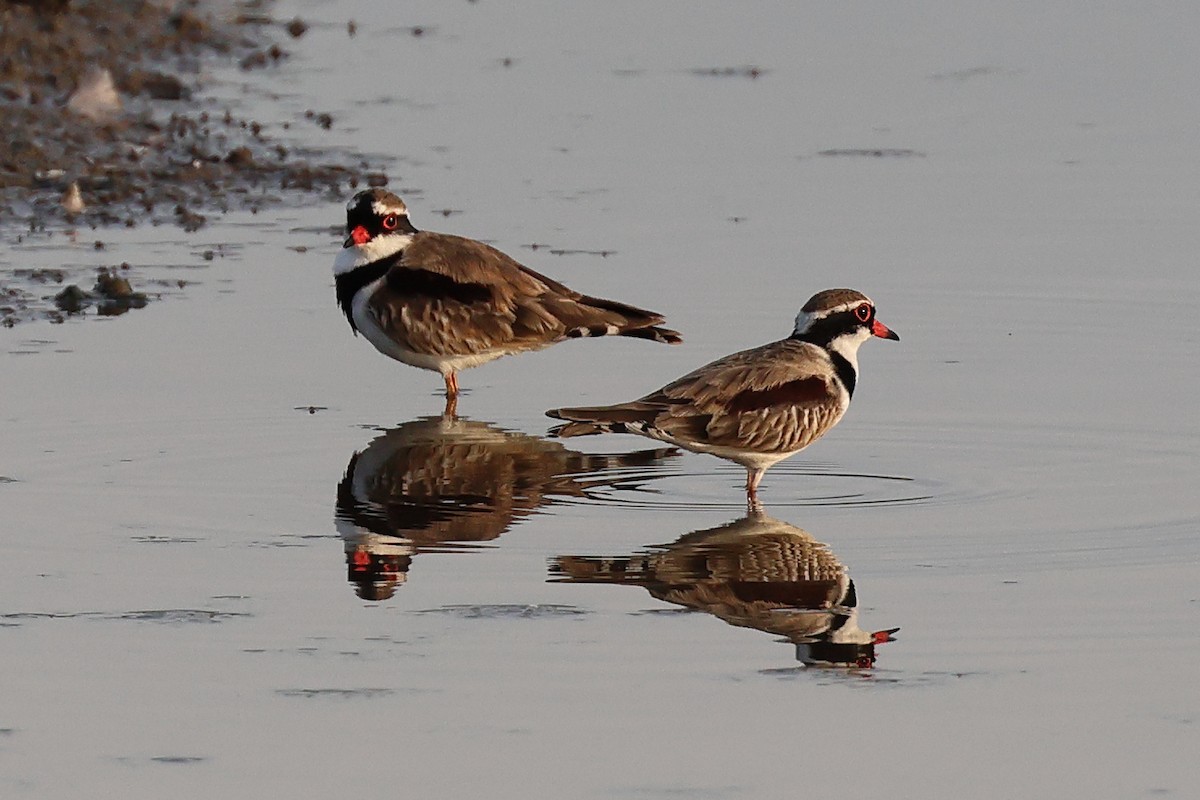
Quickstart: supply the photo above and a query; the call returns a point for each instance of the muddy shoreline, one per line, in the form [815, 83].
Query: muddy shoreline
[104, 122]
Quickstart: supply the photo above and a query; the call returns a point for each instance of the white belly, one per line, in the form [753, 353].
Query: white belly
[746, 458]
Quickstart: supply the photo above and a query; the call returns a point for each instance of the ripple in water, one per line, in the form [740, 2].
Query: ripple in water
[719, 485]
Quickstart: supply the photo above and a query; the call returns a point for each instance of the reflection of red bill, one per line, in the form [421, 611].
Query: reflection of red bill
[361, 559]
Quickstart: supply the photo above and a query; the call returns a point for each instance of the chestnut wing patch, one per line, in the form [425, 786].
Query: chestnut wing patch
[812, 389]
[407, 282]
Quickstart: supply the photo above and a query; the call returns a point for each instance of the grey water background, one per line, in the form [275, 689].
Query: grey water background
[1014, 487]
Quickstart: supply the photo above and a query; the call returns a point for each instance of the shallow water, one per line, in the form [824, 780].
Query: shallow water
[187, 489]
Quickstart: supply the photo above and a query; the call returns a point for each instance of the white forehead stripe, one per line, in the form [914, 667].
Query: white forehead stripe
[386, 208]
[839, 308]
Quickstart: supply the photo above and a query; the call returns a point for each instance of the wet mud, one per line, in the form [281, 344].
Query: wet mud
[104, 121]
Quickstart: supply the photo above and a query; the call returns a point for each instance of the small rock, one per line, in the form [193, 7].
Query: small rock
[117, 293]
[72, 299]
[112, 286]
[189, 220]
[297, 28]
[189, 25]
[255, 60]
[72, 199]
[47, 275]
[240, 157]
[96, 98]
[164, 87]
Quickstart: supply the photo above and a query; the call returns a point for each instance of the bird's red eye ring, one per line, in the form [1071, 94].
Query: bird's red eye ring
[863, 312]
[390, 222]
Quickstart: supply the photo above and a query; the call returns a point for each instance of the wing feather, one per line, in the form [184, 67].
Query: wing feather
[771, 399]
[449, 295]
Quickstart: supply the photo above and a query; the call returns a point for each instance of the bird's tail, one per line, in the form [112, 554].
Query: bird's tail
[654, 334]
[588, 421]
[588, 429]
[636, 570]
[651, 332]
[611, 318]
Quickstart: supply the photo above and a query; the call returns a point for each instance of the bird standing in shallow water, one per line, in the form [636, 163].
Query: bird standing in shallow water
[446, 303]
[759, 406]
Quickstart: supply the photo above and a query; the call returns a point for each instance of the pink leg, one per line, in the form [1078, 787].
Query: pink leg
[753, 476]
[451, 408]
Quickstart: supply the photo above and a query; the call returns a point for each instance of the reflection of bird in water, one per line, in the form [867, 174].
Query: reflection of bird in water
[375, 563]
[755, 572]
[436, 482]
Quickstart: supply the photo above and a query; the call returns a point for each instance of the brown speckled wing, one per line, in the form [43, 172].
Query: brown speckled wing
[776, 398]
[447, 295]
[467, 262]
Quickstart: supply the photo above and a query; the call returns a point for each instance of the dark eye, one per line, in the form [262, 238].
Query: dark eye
[863, 312]
[390, 222]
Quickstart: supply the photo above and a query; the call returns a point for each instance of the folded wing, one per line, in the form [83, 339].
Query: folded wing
[449, 295]
[772, 399]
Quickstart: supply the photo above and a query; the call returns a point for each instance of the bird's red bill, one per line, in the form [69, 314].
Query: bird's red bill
[359, 235]
[883, 331]
[883, 637]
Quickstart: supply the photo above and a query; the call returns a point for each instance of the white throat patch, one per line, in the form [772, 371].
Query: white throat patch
[359, 255]
[847, 345]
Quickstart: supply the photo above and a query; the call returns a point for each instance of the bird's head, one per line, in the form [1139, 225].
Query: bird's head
[377, 226]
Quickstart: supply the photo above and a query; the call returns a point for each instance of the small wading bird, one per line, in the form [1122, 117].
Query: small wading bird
[446, 303]
[759, 406]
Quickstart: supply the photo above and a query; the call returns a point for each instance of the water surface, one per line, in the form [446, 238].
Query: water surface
[187, 489]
